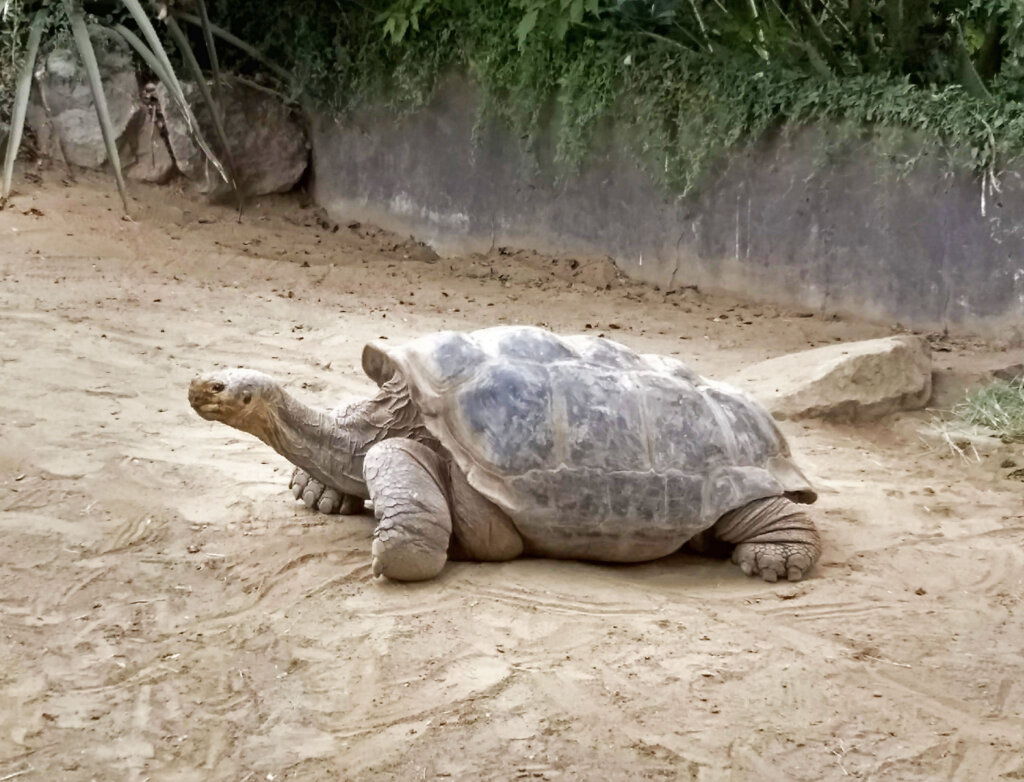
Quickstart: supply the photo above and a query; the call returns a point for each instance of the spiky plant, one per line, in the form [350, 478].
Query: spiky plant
[150, 48]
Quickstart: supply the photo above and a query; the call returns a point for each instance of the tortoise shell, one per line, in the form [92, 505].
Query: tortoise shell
[592, 449]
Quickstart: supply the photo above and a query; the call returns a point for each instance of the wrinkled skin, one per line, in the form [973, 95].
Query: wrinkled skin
[426, 509]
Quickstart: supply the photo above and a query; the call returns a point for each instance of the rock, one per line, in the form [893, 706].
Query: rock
[82, 140]
[856, 381]
[601, 273]
[1010, 373]
[269, 147]
[413, 250]
[188, 157]
[65, 95]
[153, 161]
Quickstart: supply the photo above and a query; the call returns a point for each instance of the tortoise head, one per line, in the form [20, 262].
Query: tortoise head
[242, 398]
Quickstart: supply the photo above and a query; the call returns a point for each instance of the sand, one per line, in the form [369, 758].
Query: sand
[169, 612]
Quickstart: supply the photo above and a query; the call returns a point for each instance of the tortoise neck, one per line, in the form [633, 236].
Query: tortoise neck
[331, 444]
[303, 435]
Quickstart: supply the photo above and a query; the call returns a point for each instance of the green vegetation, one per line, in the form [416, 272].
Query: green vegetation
[998, 407]
[685, 80]
[18, 55]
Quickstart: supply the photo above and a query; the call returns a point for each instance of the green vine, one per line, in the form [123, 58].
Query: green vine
[684, 89]
[682, 81]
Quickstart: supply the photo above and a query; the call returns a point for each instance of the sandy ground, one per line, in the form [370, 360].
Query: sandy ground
[168, 612]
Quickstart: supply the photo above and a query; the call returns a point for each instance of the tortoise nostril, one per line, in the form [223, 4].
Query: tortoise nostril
[217, 387]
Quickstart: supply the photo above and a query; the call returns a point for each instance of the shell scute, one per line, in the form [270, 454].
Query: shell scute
[455, 357]
[604, 352]
[524, 342]
[506, 409]
[682, 428]
[598, 418]
[593, 450]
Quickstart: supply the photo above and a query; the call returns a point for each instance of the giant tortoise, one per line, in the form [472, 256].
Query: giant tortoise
[510, 441]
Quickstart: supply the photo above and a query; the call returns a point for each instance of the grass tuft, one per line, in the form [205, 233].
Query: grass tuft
[998, 407]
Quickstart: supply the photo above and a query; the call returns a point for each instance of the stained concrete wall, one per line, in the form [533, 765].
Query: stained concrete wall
[778, 223]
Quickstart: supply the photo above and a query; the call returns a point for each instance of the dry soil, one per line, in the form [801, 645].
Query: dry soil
[168, 612]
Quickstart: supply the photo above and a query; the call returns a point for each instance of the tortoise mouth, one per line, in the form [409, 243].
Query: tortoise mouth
[208, 410]
[204, 400]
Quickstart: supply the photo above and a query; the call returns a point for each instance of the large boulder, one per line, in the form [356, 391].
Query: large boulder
[64, 94]
[153, 161]
[855, 381]
[269, 148]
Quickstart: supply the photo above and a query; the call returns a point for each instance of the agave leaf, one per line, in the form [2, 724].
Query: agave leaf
[150, 59]
[211, 49]
[21, 101]
[76, 15]
[149, 33]
[157, 48]
[174, 91]
[241, 45]
[169, 77]
[197, 73]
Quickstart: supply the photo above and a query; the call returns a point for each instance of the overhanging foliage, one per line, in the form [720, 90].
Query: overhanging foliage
[685, 79]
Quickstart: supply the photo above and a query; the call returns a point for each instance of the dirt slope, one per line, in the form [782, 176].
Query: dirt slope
[167, 612]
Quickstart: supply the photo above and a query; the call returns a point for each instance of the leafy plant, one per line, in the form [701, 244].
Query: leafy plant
[998, 407]
[684, 80]
[12, 44]
[24, 86]
[149, 47]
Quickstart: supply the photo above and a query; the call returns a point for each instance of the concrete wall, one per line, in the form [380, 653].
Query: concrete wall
[777, 224]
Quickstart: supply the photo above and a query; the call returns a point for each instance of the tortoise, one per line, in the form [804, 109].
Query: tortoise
[509, 441]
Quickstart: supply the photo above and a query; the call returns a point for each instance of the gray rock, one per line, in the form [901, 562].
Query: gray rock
[269, 147]
[82, 140]
[188, 157]
[153, 161]
[64, 91]
[855, 381]
[1009, 373]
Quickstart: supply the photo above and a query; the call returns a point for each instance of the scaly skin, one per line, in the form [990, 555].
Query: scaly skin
[378, 449]
[775, 538]
[328, 446]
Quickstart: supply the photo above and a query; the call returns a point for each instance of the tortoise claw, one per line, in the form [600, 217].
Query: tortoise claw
[772, 561]
[322, 498]
[312, 493]
[329, 502]
[298, 482]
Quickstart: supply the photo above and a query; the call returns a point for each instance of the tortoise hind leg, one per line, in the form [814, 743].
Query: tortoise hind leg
[775, 538]
[414, 523]
[482, 531]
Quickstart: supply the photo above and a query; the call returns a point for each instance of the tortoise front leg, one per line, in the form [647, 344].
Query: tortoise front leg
[319, 497]
[414, 522]
[775, 538]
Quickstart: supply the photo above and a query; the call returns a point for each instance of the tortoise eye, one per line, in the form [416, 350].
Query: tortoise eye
[247, 399]
[217, 387]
